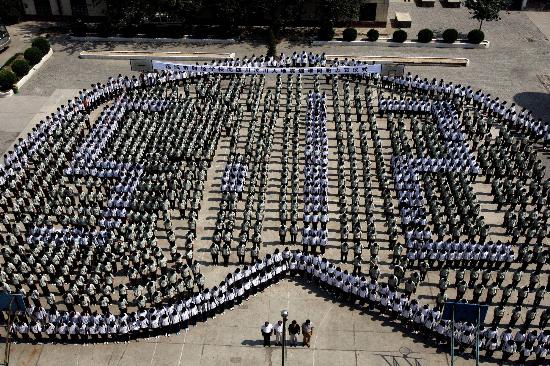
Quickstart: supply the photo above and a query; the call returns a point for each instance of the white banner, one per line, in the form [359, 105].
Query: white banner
[365, 69]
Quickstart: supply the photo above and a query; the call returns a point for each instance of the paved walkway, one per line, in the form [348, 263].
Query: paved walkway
[341, 337]
[541, 20]
[509, 69]
[20, 113]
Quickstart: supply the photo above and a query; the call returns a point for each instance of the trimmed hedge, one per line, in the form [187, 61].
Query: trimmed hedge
[450, 35]
[425, 35]
[350, 34]
[399, 36]
[7, 79]
[42, 44]
[33, 55]
[20, 67]
[476, 36]
[326, 32]
[372, 35]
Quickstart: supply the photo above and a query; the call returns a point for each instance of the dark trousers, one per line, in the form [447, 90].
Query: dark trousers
[267, 339]
[343, 257]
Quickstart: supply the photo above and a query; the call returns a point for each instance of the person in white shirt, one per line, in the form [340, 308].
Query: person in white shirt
[278, 331]
[267, 330]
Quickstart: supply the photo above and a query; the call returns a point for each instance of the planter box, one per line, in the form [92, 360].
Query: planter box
[34, 69]
[184, 40]
[25, 78]
[388, 43]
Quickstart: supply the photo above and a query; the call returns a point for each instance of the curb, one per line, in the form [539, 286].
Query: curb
[184, 40]
[7, 94]
[386, 42]
[34, 69]
[152, 55]
[25, 78]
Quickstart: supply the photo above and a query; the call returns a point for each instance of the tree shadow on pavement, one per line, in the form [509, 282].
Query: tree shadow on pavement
[538, 103]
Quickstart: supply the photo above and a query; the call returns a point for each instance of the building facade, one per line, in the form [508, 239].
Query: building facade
[370, 12]
[64, 8]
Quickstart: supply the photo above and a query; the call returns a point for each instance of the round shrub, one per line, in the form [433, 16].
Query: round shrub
[450, 35]
[7, 78]
[350, 34]
[399, 36]
[20, 68]
[425, 35]
[33, 55]
[372, 35]
[476, 36]
[42, 44]
[326, 32]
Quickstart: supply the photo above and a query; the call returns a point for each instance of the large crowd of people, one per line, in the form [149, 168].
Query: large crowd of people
[86, 193]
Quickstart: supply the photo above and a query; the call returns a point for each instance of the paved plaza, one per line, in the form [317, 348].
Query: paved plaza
[512, 68]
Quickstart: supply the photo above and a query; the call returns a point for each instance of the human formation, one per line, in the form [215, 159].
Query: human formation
[87, 192]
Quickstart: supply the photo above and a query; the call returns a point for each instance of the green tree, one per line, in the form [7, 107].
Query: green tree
[343, 10]
[184, 10]
[122, 13]
[11, 11]
[486, 10]
[227, 12]
[279, 13]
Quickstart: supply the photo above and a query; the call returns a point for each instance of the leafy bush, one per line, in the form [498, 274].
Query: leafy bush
[399, 36]
[326, 31]
[372, 35]
[7, 78]
[20, 67]
[79, 28]
[350, 34]
[42, 44]
[33, 55]
[425, 35]
[450, 35]
[476, 36]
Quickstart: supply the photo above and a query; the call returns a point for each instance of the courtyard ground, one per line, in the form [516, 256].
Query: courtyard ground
[510, 68]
